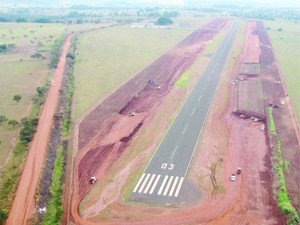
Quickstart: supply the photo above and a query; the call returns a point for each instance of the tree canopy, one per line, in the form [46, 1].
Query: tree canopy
[163, 20]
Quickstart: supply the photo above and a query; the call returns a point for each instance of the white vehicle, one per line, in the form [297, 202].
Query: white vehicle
[92, 180]
[132, 114]
[233, 177]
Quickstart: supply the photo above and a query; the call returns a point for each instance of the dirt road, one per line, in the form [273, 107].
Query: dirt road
[23, 205]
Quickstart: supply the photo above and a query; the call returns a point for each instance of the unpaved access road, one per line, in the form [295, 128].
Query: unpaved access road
[23, 205]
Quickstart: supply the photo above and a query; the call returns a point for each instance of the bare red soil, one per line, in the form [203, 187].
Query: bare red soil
[252, 51]
[249, 200]
[285, 122]
[164, 70]
[95, 155]
[23, 204]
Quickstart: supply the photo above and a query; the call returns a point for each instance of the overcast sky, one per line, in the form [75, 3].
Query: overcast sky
[195, 3]
[290, 3]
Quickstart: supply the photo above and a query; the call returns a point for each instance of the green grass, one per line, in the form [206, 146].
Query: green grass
[284, 203]
[272, 129]
[286, 44]
[30, 34]
[20, 74]
[250, 95]
[54, 206]
[108, 58]
[17, 78]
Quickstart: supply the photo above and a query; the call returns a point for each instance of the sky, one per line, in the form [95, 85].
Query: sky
[191, 3]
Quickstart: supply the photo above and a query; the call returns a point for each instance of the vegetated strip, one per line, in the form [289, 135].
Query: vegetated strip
[11, 174]
[284, 202]
[51, 186]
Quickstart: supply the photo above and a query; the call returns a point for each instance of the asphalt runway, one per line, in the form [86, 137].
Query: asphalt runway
[164, 180]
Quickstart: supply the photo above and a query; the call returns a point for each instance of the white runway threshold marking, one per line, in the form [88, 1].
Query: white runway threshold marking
[149, 184]
[144, 183]
[170, 186]
[138, 184]
[155, 183]
[163, 185]
[179, 187]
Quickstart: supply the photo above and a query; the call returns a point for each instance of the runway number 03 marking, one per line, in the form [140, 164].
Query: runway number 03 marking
[167, 166]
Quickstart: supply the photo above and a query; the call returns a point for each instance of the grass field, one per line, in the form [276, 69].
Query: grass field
[20, 74]
[107, 58]
[286, 44]
[250, 96]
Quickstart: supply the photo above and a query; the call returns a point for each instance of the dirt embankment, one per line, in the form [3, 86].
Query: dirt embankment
[23, 204]
[98, 148]
[285, 122]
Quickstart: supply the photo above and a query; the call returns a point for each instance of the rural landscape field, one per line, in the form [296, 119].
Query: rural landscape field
[147, 112]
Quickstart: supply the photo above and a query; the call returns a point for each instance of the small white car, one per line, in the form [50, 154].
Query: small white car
[232, 177]
[132, 114]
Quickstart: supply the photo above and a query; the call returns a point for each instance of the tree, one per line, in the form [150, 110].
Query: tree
[13, 123]
[3, 119]
[37, 56]
[17, 98]
[3, 216]
[163, 20]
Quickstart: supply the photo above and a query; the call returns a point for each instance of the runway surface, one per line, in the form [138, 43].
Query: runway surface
[164, 180]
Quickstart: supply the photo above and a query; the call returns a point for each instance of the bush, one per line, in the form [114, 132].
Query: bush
[28, 130]
[3, 216]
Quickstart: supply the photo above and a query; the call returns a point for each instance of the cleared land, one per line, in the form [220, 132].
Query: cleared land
[286, 44]
[111, 146]
[109, 57]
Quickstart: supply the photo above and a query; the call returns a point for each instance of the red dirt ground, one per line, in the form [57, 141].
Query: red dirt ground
[249, 200]
[23, 204]
[252, 51]
[285, 121]
[96, 154]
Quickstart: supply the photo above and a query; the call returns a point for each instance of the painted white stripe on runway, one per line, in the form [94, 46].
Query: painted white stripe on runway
[144, 183]
[185, 128]
[163, 184]
[174, 151]
[173, 186]
[209, 78]
[205, 87]
[149, 184]
[199, 98]
[154, 185]
[168, 185]
[179, 187]
[138, 184]
[193, 111]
